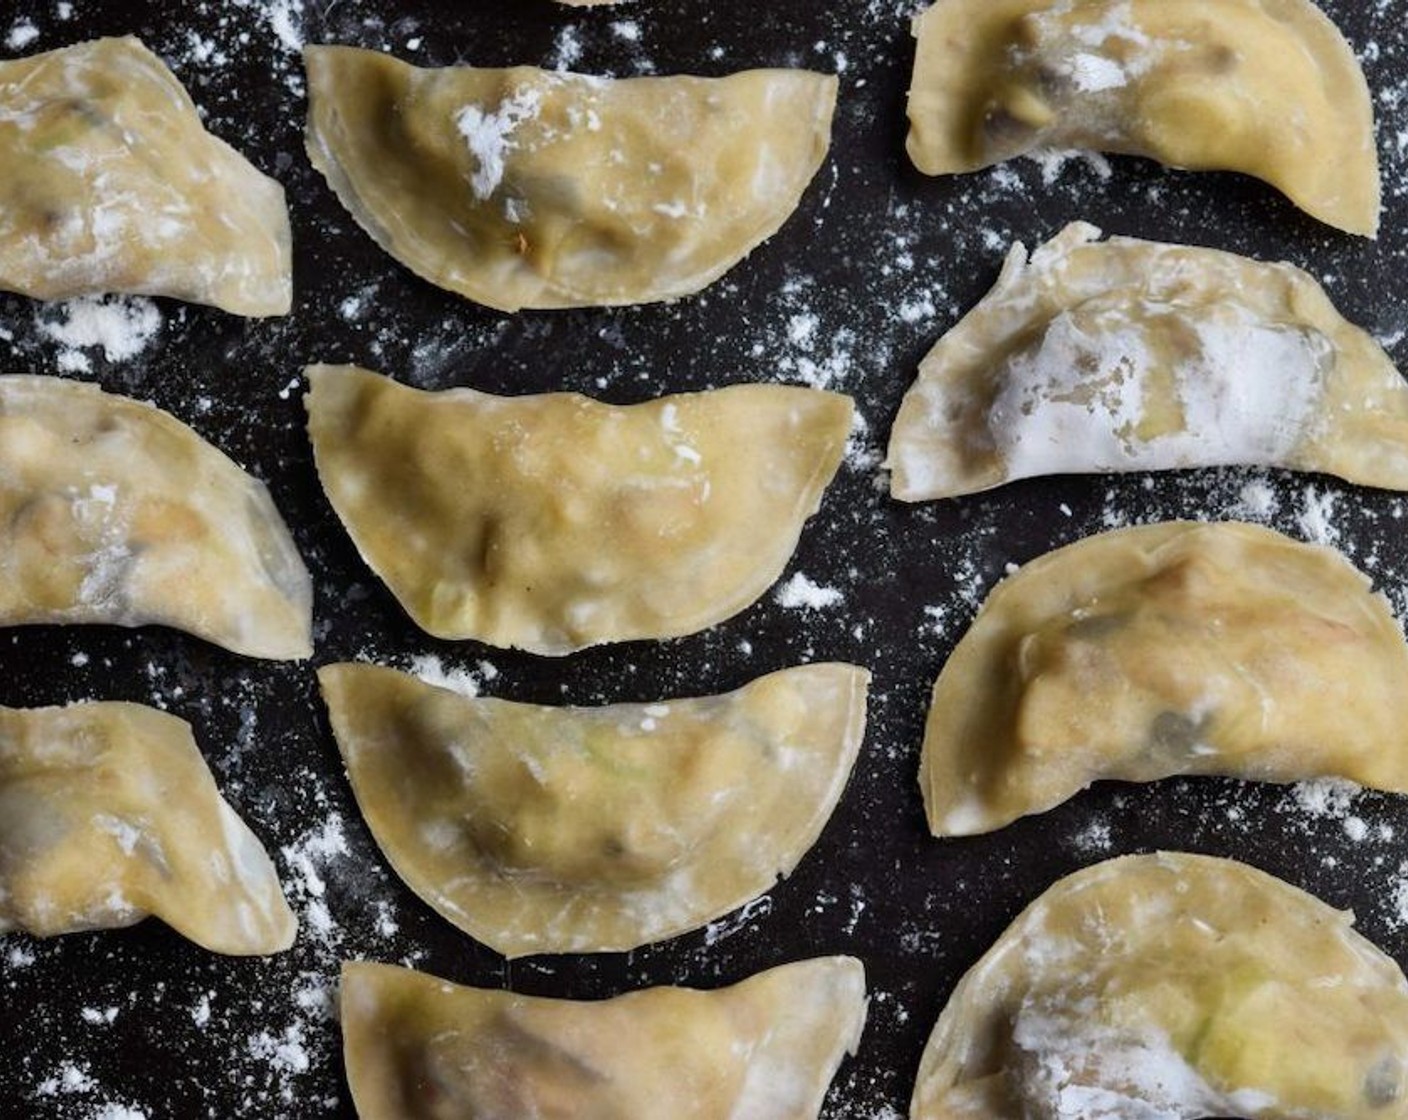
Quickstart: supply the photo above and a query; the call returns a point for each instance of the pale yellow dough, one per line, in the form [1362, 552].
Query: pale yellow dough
[555, 522]
[1176, 648]
[108, 814]
[528, 188]
[571, 830]
[1172, 987]
[1265, 87]
[112, 511]
[112, 184]
[418, 1048]
[1125, 355]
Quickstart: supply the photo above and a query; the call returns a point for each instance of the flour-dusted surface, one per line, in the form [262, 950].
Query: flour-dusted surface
[848, 296]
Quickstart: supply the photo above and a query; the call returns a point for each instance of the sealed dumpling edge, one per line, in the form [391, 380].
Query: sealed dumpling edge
[553, 830]
[552, 522]
[528, 188]
[108, 813]
[1162, 650]
[1172, 985]
[1127, 355]
[766, 1048]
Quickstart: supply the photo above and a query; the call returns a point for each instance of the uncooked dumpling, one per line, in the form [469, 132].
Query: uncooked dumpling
[418, 1048]
[557, 830]
[1171, 987]
[1266, 87]
[112, 184]
[108, 814]
[555, 522]
[112, 511]
[1176, 648]
[1126, 355]
[536, 188]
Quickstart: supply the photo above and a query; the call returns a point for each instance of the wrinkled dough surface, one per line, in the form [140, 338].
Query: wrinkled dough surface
[534, 188]
[112, 184]
[555, 522]
[108, 813]
[112, 511]
[766, 1049]
[1167, 649]
[555, 830]
[1171, 987]
[1265, 87]
[1127, 355]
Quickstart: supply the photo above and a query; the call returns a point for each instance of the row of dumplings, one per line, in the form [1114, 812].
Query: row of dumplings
[527, 188]
[1162, 982]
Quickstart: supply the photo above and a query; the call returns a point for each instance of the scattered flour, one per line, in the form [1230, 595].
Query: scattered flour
[490, 136]
[21, 35]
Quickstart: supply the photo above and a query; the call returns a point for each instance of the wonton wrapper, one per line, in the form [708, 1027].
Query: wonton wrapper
[556, 830]
[418, 1048]
[112, 511]
[536, 188]
[108, 813]
[1167, 649]
[554, 522]
[1128, 355]
[112, 184]
[1172, 986]
[1269, 88]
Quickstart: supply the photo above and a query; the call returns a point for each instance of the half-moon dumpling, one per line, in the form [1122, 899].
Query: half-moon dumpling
[1265, 87]
[1166, 649]
[555, 522]
[112, 184]
[1172, 986]
[1127, 355]
[112, 511]
[536, 188]
[418, 1048]
[108, 813]
[570, 830]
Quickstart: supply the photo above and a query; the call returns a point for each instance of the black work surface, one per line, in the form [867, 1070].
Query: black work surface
[877, 262]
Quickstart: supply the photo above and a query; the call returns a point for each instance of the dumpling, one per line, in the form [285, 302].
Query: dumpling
[536, 188]
[1171, 987]
[112, 184]
[571, 830]
[1265, 87]
[1166, 649]
[1127, 355]
[108, 813]
[113, 511]
[418, 1048]
[555, 522]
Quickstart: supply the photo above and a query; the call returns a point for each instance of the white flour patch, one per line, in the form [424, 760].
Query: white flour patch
[21, 35]
[120, 326]
[432, 670]
[801, 593]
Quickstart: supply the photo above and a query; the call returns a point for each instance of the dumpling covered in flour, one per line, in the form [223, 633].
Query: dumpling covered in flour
[110, 183]
[108, 813]
[418, 1048]
[112, 511]
[554, 522]
[1172, 987]
[1127, 355]
[1176, 648]
[1269, 88]
[569, 830]
[535, 188]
